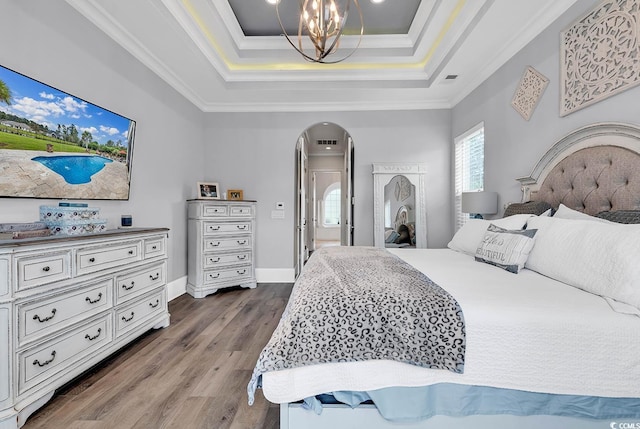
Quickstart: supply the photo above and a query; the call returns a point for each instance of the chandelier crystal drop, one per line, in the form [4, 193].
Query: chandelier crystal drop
[322, 21]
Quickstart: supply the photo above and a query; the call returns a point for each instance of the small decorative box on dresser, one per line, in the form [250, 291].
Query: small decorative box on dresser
[221, 245]
[67, 302]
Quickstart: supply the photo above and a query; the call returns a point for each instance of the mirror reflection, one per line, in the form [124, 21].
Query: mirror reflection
[399, 213]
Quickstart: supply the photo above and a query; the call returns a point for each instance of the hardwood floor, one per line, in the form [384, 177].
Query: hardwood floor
[193, 374]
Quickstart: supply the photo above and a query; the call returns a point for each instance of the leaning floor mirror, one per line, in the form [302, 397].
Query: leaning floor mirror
[399, 214]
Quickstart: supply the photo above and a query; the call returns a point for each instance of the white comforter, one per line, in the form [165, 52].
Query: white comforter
[524, 331]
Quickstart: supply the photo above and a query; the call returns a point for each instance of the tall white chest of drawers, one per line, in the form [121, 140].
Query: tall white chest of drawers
[221, 238]
[66, 303]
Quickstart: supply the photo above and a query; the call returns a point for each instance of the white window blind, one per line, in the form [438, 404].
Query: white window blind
[469, 168]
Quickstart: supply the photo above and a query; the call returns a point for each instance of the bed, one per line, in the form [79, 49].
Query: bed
[541, 345]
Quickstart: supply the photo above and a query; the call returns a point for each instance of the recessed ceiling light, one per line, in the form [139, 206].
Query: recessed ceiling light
[272, 1]
[377, 1]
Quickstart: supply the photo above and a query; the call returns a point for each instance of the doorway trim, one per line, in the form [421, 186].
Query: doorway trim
[302, 172]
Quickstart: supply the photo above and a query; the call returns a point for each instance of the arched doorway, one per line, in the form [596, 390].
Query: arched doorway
[324, 190]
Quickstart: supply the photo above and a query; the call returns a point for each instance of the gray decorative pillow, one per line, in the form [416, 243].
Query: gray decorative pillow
[621, 216]
[530, 207]
[506, 249]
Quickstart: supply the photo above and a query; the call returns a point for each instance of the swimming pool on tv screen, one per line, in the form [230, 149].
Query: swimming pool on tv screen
[75, 169]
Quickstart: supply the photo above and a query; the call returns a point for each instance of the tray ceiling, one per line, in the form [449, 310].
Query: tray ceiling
[229, 56]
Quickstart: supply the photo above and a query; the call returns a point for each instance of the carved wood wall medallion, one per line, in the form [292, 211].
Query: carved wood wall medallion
[599, 55]
[529, 92]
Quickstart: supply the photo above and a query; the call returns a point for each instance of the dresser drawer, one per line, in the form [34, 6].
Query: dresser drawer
[138, 312]
[38, 318]
[139, 282]
[42, 363]
[42, 269]
[242, 210]
[154, 247]
[235, 273]
[241, 242]
[217, 260]
[215, 210]
[89, 260]
[229, 227]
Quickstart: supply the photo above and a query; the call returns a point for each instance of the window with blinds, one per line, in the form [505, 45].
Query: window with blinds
[469, 168]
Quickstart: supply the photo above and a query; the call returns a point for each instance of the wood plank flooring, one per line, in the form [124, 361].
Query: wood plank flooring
[191, 375]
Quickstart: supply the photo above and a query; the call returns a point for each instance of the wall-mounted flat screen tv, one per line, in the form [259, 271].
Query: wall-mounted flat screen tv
[55, 145]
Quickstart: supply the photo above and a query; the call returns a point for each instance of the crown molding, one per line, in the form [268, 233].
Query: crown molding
[530, 31]
[101, 19]
[329, 106]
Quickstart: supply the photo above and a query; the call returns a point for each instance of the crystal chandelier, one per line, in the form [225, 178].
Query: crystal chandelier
[322, 21]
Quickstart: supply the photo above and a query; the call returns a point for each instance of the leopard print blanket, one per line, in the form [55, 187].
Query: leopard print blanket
[361, 303]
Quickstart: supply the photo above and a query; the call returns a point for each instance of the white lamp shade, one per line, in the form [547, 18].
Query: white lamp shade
[480, 202]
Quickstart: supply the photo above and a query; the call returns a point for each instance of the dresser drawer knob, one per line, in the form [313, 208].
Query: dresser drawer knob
[241, 227]
[53, 313]
[47, 362]
[241, 272]
[242, 242]
[129, 319]
[214, 276]
[213, 261]
[216, 244]
[214, 228]
[130, 252]
[46, 269]
[154, 305]
[92, 260]
[90, 301]
[90, 338]
[125, 287]
[242, 257]
[154, 278]
[154, 247]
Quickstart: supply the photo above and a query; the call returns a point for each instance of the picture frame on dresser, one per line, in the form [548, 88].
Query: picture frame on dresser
[208, 191]
[235, 194]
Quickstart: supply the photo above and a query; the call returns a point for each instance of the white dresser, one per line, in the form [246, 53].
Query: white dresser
[67, 302]
[221, 245]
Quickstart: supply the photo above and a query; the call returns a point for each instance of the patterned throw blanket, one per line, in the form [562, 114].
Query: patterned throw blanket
[362, 303]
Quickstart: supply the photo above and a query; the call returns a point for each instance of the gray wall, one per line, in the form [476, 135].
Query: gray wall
[256, 152]
[49, 41]
[177, 145]
[513, 145]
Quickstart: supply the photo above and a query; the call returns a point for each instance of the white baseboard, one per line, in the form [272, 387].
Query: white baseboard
[263, 275]
[176, 288]
[275, 275]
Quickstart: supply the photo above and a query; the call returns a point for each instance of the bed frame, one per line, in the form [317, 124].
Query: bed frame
[592, 169]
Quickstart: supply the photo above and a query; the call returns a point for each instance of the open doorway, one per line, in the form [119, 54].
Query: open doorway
[324, 190]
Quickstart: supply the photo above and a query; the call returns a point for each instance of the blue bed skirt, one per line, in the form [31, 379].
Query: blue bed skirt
[412, 404]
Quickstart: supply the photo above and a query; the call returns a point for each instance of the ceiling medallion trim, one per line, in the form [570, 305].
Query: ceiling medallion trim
[232, 65]
[359, 106]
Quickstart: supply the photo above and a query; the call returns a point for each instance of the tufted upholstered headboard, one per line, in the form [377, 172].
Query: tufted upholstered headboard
[593, 169]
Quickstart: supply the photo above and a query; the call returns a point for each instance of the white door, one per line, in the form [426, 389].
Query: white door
[346, 238]
[314, 211]
[301, 206]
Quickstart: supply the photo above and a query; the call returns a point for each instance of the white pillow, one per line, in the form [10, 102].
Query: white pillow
[601, 258]
[506, 249]
[468, 237]
[565, 212]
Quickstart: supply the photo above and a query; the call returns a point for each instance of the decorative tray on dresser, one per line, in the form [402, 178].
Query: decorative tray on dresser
[68, 302]
[221, 237]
